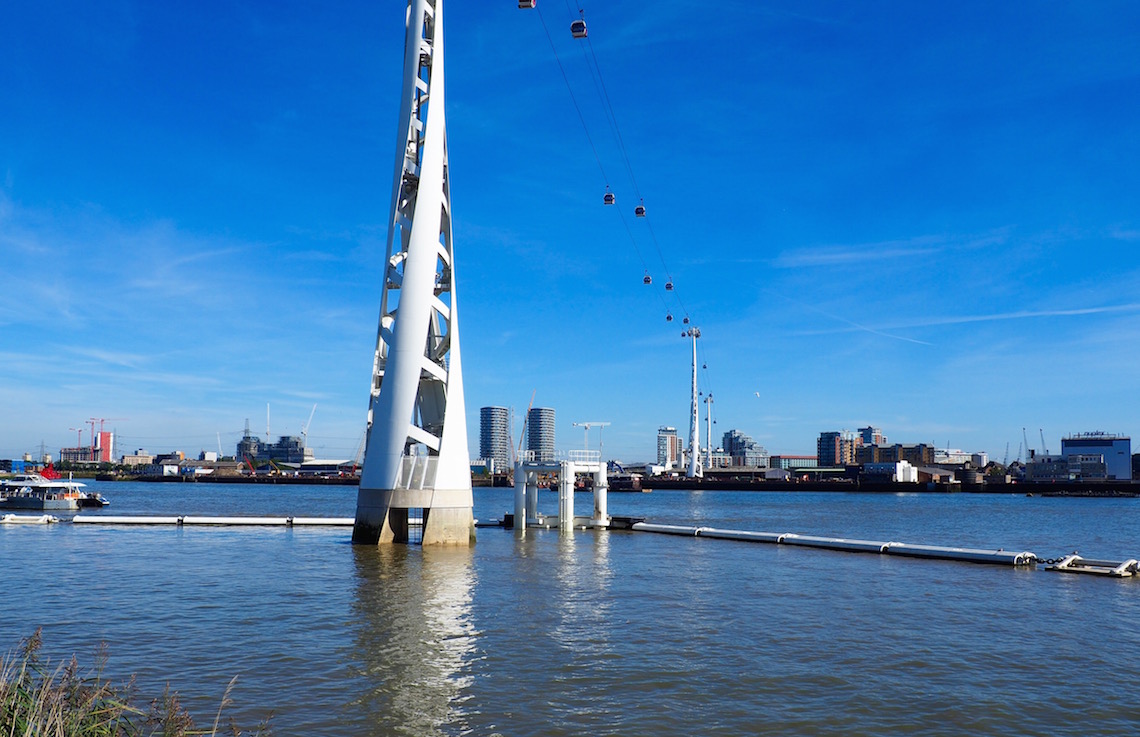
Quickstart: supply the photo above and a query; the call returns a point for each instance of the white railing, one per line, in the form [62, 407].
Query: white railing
[417, 472]
[532, 456]
[574, 456]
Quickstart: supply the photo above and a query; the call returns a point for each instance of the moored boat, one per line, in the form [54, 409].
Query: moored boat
[35, 492]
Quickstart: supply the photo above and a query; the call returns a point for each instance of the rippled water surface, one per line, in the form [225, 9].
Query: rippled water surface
[600, 633]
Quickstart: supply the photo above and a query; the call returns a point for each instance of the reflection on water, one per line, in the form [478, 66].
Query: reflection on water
[601, 633]
[581, 588]
[415, 634]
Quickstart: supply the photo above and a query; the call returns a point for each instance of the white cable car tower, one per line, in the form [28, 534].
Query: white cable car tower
[695, 470]
[416, 449]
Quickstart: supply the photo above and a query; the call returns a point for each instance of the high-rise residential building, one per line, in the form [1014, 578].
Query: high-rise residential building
[540, 433]
[668, 447]
[1116, 449]
[495, 436]
[871, 436]
[836, 448]
[105, 446]
[744, 451]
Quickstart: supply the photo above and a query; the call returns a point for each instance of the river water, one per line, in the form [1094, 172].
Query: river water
[599, 633]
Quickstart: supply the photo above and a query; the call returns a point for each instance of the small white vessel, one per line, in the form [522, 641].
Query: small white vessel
[27, 519]
[36, 492]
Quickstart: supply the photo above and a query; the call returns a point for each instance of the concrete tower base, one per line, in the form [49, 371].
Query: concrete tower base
[380, 522]
[449, 526]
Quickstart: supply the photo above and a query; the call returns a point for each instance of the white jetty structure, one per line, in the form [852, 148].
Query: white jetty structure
[527, 472]
[416, 457]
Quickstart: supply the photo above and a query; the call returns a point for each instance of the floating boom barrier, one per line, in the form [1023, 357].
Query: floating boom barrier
[1076, 564]
[27, 519]
[1069, 564]
[105, 519]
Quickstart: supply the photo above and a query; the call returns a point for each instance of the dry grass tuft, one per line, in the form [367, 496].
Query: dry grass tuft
[37, 700]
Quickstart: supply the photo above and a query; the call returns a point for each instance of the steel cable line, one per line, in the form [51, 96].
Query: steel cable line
[598, 78]
[604, 98]
[633, 241]
[602, 91]
[586, 130]
[573, 98]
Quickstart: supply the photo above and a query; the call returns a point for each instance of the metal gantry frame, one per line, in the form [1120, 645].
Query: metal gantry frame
[416, 448]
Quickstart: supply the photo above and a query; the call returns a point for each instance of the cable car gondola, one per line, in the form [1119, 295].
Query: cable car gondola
[639, 211]
[668, 317]
[526, 3]
[609, 199]
[668, 286]
[578, 28]
[686, 321]
[647, 279]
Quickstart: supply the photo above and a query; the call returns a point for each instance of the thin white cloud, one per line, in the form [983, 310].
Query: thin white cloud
[115, 358]
[829, 256]
[919, 246]
[1028, 314]
[852, 325]
[966, 319]
[313, 255]
[874, 331]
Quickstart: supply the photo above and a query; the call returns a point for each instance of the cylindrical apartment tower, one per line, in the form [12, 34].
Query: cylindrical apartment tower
[495, 436]
[540, 433]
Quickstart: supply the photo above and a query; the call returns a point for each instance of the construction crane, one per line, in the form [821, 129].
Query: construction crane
[1005, 461]
[587, 426]
[305, 428]
[526, 419]
[1028, 450]
[358, 461]
[97, 439]
[1044, 450]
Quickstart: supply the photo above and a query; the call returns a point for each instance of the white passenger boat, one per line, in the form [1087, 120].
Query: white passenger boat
[36, 492]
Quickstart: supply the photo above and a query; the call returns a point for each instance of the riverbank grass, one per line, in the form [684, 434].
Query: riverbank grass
[65, 701]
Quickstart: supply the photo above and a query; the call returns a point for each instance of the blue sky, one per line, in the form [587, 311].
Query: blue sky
[914, 215]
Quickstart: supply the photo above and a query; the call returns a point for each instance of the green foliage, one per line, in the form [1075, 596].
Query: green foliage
[37, 700]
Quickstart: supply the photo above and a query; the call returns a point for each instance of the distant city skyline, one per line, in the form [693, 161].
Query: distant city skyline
[915, 217]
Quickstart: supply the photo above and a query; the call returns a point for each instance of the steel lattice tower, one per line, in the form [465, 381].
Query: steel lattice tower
[416, 450]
